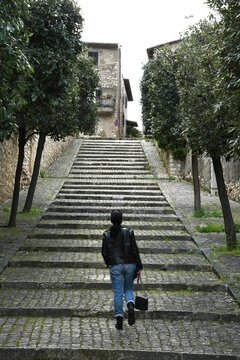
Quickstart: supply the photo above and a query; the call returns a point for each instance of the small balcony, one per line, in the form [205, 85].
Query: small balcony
[106, 104]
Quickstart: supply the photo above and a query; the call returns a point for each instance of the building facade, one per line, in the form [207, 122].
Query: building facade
[114, 91]
[172, 44]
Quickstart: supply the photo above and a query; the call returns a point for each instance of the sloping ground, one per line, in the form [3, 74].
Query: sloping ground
[56, 300]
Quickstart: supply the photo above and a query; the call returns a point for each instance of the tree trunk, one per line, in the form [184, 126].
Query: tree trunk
[21, 143]
[196, 183]
[227, 214]
[36, 168]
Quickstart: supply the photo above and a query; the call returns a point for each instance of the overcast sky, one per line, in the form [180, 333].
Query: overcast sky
[137, 25]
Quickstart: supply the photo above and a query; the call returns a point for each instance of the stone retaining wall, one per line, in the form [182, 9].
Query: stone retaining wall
[183, 169]
[8, 161]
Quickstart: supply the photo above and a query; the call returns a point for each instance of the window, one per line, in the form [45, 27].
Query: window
[94, 56]
[98, 93]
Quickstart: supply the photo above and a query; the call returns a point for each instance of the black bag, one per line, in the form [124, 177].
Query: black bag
[141, 303]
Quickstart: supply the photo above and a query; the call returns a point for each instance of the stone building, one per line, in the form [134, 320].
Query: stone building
[172, 44]
[114, 91]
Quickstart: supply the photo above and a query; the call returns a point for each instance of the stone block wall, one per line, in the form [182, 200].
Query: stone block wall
[106, 127]
[8, 161]
[183, 169]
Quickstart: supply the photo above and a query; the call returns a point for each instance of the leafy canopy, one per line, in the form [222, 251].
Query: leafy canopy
[14, 65]
[206, 129]
[160, 100]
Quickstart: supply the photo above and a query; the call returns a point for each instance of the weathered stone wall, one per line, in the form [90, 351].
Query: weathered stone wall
[106, 127]
[8, 161]
[109, 63]
[231, 170]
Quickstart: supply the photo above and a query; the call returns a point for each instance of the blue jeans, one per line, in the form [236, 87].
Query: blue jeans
[122, 277]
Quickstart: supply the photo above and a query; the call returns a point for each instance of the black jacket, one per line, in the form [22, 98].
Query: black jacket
[121, 249]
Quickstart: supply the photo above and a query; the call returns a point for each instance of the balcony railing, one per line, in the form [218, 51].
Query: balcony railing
[106, 103]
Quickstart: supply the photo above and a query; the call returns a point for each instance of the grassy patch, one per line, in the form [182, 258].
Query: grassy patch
[6, 209]
[237, 226]
[34, 211]
[218, 250]
[209, 228]
[205, 214]
[42, 173]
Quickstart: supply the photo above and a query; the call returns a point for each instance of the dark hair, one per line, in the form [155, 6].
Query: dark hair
[116, 217]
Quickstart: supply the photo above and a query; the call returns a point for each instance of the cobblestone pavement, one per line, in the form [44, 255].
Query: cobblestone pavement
[179, 195]
[55, 295]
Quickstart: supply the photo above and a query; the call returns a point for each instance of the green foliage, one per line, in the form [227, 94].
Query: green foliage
[160, 100]
[132, 132]
[87, 82]
[34, 211]
[214, 228]
[205, 130]
[219, 250]
[14, 65]
[228, 79]
[6, 209]
[53, 49]
[42, 173]
[205, 214]
[209, 228]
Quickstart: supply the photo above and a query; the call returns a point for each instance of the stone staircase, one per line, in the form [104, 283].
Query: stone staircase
[56, 300]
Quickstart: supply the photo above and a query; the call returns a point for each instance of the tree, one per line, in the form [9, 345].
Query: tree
[229, 69]
[14, 66]
[160, 100]
[62, 90]
[206, 130]
[15, 71]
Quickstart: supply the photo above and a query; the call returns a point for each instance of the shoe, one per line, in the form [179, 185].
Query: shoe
[131, 315]
[119, 324]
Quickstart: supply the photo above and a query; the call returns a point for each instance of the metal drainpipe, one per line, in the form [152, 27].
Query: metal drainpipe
[119, 94]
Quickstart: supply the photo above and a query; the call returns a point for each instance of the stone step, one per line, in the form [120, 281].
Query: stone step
[94, 278]
[110, 166]
[112, 172]
[148, 187]
[96, 224]
[132, 183]
[110, 141]
[97, 162]
[61, 338]
[76, 189]
[129, 210]
[111, 145]
[111, 150]
[109, 157]
[110, 176]
[63, 215]
[94, 234]
[116, 156]
[114, 203]
[145, 247]
[94, 260]
[99, 303]
[114, 196]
